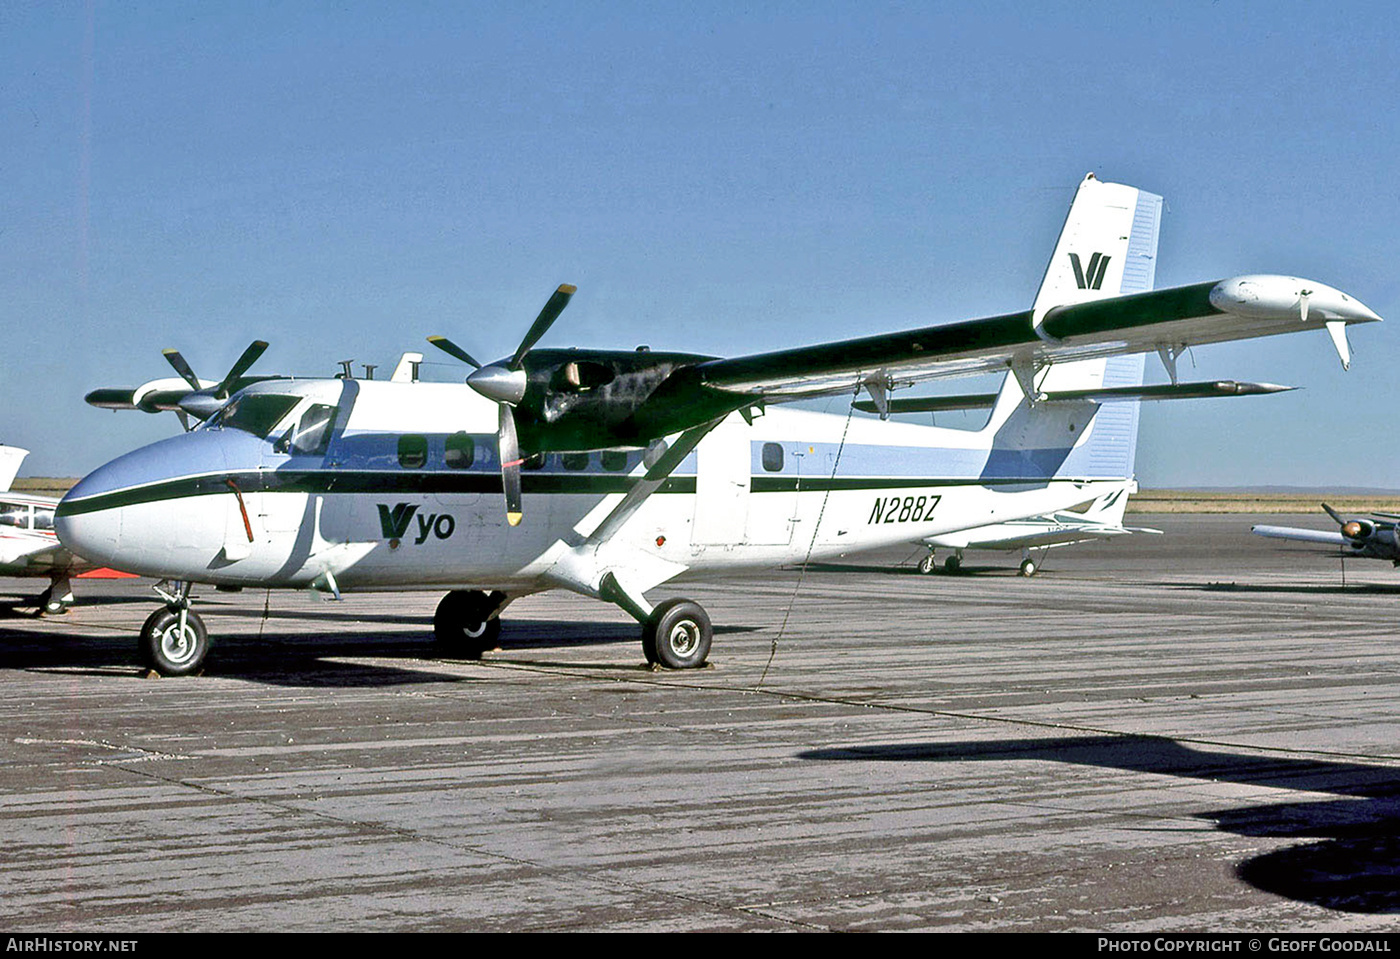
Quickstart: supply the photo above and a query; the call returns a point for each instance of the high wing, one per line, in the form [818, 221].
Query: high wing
[1109, 234]
[1168, 320]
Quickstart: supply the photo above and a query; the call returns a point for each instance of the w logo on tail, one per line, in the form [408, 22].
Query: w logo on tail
[1092, 278]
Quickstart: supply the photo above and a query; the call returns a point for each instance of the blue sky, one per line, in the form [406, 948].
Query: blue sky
[345, 179]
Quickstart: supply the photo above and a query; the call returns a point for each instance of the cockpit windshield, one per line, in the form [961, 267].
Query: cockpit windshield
[255, 413]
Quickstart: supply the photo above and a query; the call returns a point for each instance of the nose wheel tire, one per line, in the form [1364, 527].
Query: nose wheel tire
[928, 564]
[463, 625]
[677, 635]
[170, 648]
[51, 603]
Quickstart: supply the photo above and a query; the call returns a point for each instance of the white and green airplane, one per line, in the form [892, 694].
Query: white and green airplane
[644, 467]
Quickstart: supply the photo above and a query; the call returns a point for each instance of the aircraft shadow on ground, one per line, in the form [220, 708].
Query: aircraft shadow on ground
[317, 658]
[1354, 868]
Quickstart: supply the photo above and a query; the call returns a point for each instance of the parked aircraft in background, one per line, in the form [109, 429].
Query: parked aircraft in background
[1375, 538]
[28, 545]
[1100, 520]
[640, 467]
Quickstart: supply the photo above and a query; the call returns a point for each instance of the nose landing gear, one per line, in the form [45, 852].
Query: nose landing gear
[174, 640]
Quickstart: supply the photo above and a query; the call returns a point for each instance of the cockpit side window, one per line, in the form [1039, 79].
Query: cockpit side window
[311, 434]
[14, 514]
[255, 413]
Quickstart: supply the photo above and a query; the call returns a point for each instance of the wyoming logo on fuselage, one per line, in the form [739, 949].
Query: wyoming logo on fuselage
[1092, 278]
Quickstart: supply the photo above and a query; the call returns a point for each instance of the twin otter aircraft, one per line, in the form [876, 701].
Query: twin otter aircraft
[624, 470]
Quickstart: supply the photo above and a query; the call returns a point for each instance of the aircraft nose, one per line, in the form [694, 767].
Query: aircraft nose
[86, 521]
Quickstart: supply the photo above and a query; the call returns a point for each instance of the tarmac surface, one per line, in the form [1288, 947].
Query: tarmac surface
[1192, 732]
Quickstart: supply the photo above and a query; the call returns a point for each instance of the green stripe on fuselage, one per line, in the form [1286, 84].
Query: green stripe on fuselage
[342, 482]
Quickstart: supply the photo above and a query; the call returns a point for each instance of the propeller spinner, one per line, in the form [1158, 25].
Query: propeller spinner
[504, 383]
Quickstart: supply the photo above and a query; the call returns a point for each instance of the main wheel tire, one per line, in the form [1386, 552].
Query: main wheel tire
[463, 625]
[928, 564]
[1028, 567]
[170, 651]
[678, 634]
[51, 604]
[952, 564]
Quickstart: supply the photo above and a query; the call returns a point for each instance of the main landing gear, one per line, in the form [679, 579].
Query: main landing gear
[929, 563]
[467, 622]
[676, 634]
[173, 639]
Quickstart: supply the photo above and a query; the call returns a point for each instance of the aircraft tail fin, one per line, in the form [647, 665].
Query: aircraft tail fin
[10, 459]
[1108, 247]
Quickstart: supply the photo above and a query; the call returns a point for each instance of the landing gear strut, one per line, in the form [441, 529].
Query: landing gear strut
[57, 598]
[467, 622]
[676, 633]
[173, 639]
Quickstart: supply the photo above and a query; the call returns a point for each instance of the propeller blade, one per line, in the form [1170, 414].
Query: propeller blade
[181, 367]
[544, 321]
[509, 448]
[452, 349]
[249, 357]
[1334, 514]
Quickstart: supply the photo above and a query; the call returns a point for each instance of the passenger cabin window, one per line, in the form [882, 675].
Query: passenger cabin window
[311, 434]
[461, 451]
[574, 461]
[14, 514]
[255, 413]
[614, 461]
[413, 452]
[43, 517]
[773, 457]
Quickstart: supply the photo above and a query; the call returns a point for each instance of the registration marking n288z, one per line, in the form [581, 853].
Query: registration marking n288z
[903, 509]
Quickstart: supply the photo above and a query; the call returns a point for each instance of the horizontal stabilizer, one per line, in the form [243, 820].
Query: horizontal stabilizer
[1120, 394]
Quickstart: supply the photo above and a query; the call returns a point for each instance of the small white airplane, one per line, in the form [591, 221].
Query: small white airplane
[642, 466]
[1100, 520]
[1375, 538]
[28, 544]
